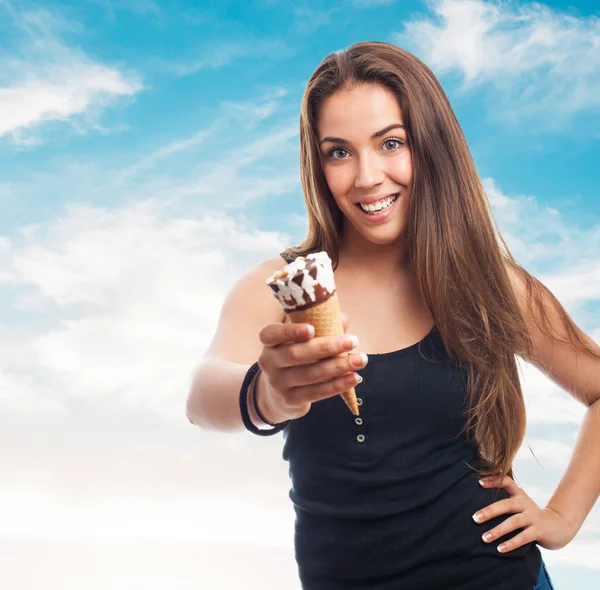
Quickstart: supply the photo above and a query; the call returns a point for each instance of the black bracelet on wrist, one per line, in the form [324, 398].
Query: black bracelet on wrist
[252, 371]
[254, 401]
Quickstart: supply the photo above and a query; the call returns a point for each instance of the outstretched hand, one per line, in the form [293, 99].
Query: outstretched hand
[300, 368]
[545, 526]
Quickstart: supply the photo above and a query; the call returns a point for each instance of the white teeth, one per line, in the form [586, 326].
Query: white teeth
[381, 206]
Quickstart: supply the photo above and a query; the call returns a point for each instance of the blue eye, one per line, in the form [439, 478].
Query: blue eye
[397, 141]
[331, 153]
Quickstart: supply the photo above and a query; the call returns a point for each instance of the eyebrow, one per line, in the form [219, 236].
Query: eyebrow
[374, 136]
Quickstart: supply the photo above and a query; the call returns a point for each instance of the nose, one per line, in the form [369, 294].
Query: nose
[369, 172]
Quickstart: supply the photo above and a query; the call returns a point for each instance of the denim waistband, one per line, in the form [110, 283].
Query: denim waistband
[543, 582]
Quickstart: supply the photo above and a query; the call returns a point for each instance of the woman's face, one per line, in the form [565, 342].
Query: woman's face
[366, 160]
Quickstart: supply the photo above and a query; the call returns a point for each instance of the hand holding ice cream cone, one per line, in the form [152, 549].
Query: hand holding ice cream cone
[306, 291]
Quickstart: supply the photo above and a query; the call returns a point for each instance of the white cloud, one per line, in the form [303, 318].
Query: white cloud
[45, 80]
[580, 552]
[533, 243]
[22, 394]
[238, 176]
[133, 293]
[563, 256]
[36, 513]
[101, 280]
[548, 452]
[217, 58]
[581, 283]
[253, 113]
[541, 62]
[165, 151]
[266, 145]
[298, 221]
[221, 55]
[6, 192]
[64, 91]
[144, 565]
[212, 163]
[546, 402]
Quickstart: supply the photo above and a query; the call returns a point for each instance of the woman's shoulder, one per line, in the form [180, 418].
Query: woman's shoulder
[254, 280]
[275, 262]
[251, 285]
[247, 308]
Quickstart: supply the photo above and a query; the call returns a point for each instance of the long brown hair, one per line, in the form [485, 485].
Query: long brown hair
[454, 246]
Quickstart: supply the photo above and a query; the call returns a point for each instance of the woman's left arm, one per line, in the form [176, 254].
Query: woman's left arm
[577, 373]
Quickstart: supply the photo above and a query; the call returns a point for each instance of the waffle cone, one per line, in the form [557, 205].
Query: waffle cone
[327, 320]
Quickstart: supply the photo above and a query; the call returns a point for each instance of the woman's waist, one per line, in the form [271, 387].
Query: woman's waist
[364, 490]
[439, 534]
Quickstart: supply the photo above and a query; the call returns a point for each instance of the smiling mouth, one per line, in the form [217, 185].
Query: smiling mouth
[378, 207]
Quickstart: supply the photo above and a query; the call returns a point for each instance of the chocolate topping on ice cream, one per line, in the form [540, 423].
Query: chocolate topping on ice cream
[305, 282]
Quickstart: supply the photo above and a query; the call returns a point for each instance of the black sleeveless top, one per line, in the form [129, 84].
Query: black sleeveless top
[385, 501]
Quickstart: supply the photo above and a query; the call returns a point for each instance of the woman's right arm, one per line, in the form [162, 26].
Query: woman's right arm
[297, 368]
[212, 401]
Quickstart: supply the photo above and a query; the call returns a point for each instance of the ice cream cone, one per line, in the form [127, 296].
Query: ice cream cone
[305, 289]
[327, 320]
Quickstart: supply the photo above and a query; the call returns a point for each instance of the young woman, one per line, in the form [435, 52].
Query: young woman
[393, 499]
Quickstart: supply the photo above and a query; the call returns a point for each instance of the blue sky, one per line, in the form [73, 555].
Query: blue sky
[144, 147]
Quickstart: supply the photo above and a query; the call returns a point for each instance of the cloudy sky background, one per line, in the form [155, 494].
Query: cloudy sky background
[145, 147]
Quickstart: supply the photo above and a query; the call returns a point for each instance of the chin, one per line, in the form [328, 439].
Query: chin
[382, 237]
[385, 240]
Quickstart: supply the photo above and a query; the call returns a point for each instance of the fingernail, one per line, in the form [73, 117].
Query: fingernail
[481, 482]
[354, 340]
[359, 378]
[501, 548]
[487, 537]
[311, 330]
[364, 358]
[477, 517]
